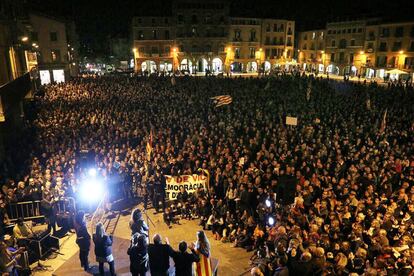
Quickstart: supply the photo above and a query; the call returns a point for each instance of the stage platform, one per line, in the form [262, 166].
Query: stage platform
[231, 261]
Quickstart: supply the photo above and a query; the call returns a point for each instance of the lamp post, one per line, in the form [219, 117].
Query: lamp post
[135, 52]
[401, 53]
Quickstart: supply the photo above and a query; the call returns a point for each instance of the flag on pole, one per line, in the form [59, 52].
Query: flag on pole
[368, 103]
[308, 91]
[384, 122]
[222, 100]
[149, 146]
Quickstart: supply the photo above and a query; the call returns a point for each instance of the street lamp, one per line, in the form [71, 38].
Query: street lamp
[401, 52]
[361, 52]
[24, 38]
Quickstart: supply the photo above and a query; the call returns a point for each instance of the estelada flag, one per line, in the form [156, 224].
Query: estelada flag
[222, 100]
[149, 146]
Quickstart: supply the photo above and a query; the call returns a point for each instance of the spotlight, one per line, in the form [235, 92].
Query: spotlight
[92, 172]
[271, 221]
[268, 203]
[91, 190]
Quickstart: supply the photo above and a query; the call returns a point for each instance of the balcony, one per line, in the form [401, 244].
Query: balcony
[382, 49]
[371, 38]
[237, 39]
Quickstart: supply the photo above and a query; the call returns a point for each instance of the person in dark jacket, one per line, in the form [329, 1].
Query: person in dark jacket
[103, 249]
[183, 260]
[138, 255]
[281, 269]
[159, 256]
[83, 239]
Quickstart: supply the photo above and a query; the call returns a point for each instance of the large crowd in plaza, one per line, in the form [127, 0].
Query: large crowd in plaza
[350, 159]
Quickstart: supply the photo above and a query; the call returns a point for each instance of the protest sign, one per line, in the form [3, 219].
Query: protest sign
[291, 121]
[190, 183]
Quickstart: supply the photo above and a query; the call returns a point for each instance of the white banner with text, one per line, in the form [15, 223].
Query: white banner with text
[190, 183]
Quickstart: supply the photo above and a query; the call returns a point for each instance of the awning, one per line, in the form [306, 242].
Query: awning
[396, 72]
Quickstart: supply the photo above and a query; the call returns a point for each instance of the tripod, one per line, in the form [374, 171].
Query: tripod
[148, 220]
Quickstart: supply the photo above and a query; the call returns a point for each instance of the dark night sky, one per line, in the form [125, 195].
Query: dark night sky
[98, 19]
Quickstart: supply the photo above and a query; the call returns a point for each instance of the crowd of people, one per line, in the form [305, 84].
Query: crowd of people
[332, 195]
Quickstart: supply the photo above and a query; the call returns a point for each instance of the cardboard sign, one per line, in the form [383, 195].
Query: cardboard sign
[291, 121]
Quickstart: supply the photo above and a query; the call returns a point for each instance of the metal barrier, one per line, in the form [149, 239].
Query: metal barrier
[33, 210]
[66, 205]
[26, 210]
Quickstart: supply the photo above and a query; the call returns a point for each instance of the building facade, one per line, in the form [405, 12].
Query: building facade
[54, 52]
[390, 46]
[311, 50]
[345, 47]
[366, 48]
[201, 37]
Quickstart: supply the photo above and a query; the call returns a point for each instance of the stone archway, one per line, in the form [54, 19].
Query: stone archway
[217, 65]
[202, 65]
[149, 66]
[251, 66]
[186, 65]
[166, 66]
[267, 66]
[236, 67]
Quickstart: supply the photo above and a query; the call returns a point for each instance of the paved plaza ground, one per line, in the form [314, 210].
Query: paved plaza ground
[232, 261]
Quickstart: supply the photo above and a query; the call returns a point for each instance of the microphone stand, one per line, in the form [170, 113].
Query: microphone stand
[148, 221]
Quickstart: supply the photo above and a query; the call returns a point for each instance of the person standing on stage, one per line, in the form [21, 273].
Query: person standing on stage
[137, 223]
[159, 256]
[138, 255]
[48, 206]
[83, 239]
[202, 247]
[103, 249]
[183, 260]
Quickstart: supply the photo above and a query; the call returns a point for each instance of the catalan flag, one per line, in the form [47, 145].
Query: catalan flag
[149, 146]
[222, 100]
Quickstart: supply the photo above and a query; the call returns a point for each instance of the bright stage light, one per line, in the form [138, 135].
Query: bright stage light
[91, 190]
[92, 172]
[268, 203]
[271, 221]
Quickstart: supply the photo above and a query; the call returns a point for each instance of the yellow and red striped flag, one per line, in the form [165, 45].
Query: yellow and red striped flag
[149, 146]
[222, 100]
